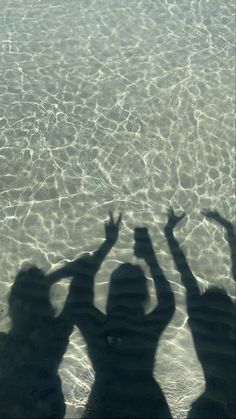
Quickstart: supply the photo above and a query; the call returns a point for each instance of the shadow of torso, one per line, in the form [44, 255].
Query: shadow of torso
[212, 322]
[122, 352]
[30, 386]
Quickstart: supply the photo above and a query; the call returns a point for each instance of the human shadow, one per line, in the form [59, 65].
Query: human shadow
[31, 352]
[122, 343]
[211, 318]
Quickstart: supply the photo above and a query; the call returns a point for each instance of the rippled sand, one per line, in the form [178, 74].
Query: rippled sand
[125, 106]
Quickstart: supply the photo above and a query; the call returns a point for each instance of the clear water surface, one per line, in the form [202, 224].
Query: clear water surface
[109, 104]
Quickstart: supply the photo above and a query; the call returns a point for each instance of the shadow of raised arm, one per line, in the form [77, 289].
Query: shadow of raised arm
[231, 236]
[80, 301]
[90, 263]
[166, 304]
[188, 279]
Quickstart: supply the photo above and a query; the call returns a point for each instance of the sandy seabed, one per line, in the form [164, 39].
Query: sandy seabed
[122, 106]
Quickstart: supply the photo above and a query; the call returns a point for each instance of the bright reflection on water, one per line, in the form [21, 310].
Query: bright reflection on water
[125, 106]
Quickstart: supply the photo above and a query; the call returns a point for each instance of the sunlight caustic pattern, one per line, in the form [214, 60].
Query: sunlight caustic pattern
[125, 106]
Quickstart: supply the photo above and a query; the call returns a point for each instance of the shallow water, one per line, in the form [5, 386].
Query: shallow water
[125, 106]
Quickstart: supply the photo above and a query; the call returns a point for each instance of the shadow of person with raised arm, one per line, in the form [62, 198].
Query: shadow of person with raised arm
[31, 352]
[122, 343]
[211, 318]
[231, 238]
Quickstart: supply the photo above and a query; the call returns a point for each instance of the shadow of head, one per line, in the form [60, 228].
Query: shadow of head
[219, 310]
[29, 296]
[217, 298]
[128, 290]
